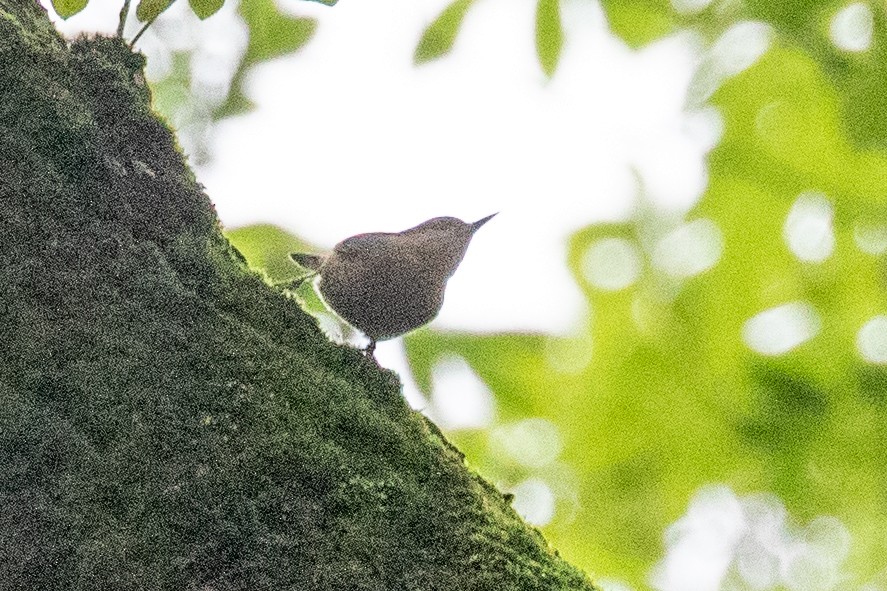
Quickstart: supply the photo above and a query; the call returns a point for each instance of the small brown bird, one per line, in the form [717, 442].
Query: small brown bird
[387, 284]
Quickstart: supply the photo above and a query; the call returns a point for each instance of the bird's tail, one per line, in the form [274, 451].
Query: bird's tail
[309, 261]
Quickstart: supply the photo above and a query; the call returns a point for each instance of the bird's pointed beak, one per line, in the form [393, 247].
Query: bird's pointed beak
[476, 225]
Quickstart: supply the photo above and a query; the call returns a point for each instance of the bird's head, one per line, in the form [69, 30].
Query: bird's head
[443, 239]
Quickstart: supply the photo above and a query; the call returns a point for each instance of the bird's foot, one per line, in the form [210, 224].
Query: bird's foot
[370, 350]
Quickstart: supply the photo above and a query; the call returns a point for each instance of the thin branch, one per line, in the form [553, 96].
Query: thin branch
[142, 30]
[124, 12]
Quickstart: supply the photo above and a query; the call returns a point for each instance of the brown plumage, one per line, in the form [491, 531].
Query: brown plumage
[387, 284]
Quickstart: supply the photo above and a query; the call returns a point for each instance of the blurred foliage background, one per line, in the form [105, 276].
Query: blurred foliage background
[720, 420]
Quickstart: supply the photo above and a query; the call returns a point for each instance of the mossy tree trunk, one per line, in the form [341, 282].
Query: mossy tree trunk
[167, 420]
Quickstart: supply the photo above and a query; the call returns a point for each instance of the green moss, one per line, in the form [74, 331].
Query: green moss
[167, 420]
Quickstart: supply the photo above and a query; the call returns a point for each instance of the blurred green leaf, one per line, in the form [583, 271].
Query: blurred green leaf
[549, 34]
[173, 90]
[791, 16]
[148, 10]
[638, 22]
[266, 247]
[859, 76]
[438, 38]
[68, 8]
[271, 34]
[206, 8]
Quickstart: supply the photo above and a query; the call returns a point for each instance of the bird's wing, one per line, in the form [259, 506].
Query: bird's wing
[365, 243]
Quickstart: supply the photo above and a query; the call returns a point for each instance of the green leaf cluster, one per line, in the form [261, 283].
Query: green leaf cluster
[68, 8]
[859, 77]
[271, 33]
[439, 36]
[662, 392]
[146, 10]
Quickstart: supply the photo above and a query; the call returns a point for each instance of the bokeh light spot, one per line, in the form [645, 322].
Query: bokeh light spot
[534, 501]
[534, 442]
[460, 399]
[810, 569]
[852, 27]
[871, 340]
[689, 249]
[829, 535]
[781, 329]
[808, 228]
[606, 584]
[611, 264]
[870, 239]
[757, 556]
[690, 6]
[729, 542]
[706, 125]
[699, 544]
[568, 355]
[737, 49]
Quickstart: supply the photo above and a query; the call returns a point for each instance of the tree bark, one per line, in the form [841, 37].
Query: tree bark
[169, 421]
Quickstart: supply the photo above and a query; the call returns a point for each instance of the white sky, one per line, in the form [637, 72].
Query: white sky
[350, 137]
